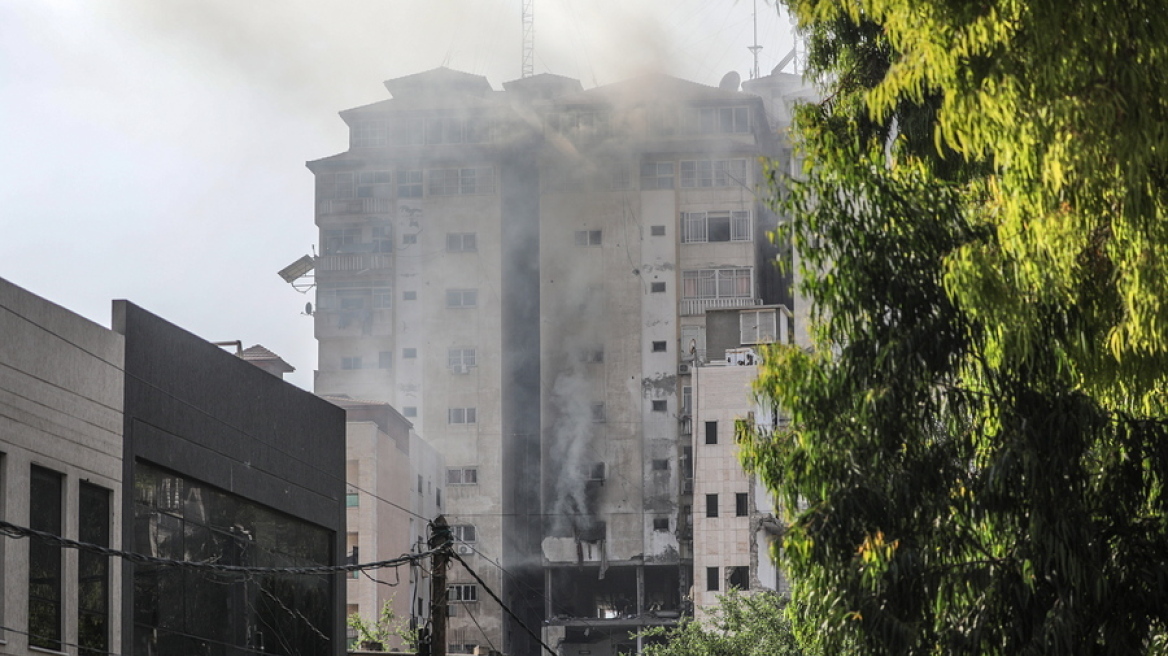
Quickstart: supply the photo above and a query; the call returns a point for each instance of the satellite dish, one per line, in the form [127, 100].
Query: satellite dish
[730, 81]
[308, 309]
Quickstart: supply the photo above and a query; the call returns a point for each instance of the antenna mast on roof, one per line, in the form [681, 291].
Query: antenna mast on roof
[755, 48]
[528, 38]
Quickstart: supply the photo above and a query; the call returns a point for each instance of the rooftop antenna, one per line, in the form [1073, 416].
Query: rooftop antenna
[528, 38]
[754, 48]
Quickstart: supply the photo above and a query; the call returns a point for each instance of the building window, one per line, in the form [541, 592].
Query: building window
[340, 240]
[741, 505]
[409, 239]
[462, 298]
[93, 576]
[462, 182]
[409, 296]
[460, 416]
[659, 405]
[717, 283]
[757, 326]
[464, 592]
[334, 186]
[595, 471]
[374, 184]
[659, 347]
[353, 362]
[461, 242]
[460, 359]
[711, 505]
[368, 134]
[714, 173]
[462, 476]
[410, 411]
[686, 399]
[712, 579]
[657, 231]
[588, 237]
[409, 353]
[438, 497]
[657, 175]
[352, 500]
[409, 185]
[385, 360]
[598, 413]
[44, 561]
[739, 577]
[661, 464]
[711, 432]
[701, 227]
[660, 523]
[724, 120]
[656, 287]
[463, 533]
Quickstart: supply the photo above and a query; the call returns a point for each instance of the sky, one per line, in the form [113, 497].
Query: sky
[154, 150]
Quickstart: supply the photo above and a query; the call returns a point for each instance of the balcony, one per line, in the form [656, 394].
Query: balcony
[692, 307]
[354, 323]
[353, 262]
[354, 206]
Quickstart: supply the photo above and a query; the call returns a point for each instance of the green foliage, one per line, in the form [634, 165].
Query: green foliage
[977, 450]
[742, 624]
[380, 634]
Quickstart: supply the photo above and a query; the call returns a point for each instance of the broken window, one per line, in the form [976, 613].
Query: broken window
[701, 227]
[660, 523]
[739, 577]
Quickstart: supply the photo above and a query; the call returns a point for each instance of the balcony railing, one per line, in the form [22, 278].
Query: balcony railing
[691, 307]
[354, 206]
[354, 262]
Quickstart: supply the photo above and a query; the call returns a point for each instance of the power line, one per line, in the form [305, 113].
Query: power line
[12, 530]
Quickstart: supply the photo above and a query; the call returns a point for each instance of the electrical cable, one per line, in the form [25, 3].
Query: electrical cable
[13, 531]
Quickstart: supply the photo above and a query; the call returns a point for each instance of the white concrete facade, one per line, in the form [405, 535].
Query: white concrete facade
[61, 396]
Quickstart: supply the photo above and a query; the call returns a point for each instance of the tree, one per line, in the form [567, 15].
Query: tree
[977, 448]
[750, 624]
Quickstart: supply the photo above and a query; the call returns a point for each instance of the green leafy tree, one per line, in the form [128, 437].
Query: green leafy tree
[742, 624]
[977, 448]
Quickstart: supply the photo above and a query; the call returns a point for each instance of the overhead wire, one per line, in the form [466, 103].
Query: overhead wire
[505, 607]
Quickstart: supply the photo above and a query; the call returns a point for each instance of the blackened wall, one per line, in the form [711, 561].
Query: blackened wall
[522, 529]
[198, 410]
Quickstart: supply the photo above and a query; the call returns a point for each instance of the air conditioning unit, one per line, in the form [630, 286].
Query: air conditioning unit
[460, 369]
[684, 368]
[464, 549]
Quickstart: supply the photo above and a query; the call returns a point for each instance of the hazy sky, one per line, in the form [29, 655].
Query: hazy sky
[154, 150]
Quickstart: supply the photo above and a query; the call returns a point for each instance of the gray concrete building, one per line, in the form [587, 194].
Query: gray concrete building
[525, 273]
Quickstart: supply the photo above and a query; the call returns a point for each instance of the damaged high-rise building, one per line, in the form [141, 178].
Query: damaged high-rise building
[524, 273]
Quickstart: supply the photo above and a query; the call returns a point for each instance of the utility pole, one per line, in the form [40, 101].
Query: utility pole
[440, 539]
